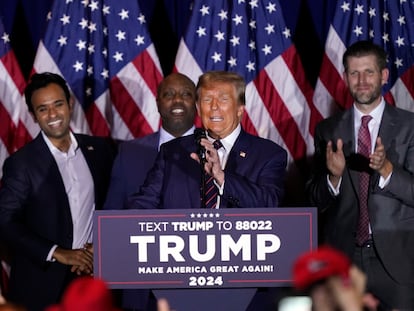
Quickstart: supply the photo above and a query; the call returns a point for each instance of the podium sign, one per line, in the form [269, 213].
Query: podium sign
[195, 248]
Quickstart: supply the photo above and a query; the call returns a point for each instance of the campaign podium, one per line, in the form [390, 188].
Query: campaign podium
[199, 259]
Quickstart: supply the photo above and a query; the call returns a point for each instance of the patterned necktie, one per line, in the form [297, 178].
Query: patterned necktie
[211, 193]
[364, 148]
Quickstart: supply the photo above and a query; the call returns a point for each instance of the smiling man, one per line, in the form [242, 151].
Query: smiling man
[363, 180]
[49, 191]
[248, 171]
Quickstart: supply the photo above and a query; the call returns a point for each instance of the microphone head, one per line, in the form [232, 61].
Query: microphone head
[200, 133]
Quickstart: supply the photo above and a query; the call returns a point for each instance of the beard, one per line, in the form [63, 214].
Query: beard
[367, 98]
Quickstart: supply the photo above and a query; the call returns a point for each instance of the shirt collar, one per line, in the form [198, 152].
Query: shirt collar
[376, 114]
[72, 148]
[229, 140]
[166, 136]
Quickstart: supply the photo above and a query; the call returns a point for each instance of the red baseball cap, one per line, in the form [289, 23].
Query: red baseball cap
[86, 294]
[319, 264]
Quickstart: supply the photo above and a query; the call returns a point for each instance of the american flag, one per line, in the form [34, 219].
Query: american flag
[387, 23]
[17, 126]
[103, 50]
[251, 38]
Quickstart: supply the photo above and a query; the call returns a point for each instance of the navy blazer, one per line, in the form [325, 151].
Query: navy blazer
[132, 163]
[254, 175]
[35, 215]
[391, 209]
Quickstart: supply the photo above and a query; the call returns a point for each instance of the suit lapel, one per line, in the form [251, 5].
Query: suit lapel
[238, 153]
[389, 126]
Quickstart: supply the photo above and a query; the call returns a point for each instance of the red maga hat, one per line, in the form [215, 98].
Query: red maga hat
[86, 294]
[319, 264]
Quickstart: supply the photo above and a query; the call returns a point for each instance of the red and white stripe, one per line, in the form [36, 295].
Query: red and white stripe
[18, 126]
[128, 109]
[278, 101]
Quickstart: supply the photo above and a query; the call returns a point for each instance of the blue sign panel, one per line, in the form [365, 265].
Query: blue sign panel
[193, 248]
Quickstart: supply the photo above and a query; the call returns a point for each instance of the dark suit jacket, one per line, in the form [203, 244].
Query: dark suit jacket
[132, 163]
[391, 209]
[35, 215]
[254, 175]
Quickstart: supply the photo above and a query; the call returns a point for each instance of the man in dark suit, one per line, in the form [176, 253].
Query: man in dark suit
[248, 171]
[380, 244]
[176, 105]
[49, 191]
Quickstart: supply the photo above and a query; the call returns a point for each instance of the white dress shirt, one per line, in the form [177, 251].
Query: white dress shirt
[79, 187]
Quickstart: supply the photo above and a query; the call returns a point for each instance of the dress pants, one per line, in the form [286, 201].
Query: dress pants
[391, 294]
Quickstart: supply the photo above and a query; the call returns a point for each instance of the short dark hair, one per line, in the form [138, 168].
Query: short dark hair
[41, 80]
[223, 76]
[364, 48]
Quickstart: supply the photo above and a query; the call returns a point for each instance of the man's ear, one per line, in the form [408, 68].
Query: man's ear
[385, 73]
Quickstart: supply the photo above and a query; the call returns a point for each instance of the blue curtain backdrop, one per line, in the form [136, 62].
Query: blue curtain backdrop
[308, 20]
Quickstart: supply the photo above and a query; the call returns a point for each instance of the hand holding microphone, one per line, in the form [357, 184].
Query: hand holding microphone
[207, 156]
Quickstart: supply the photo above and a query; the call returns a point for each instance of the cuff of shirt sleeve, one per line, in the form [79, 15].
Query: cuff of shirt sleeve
[332, 189]
[50, 255]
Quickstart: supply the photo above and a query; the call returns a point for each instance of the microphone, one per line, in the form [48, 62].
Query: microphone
[200, 133]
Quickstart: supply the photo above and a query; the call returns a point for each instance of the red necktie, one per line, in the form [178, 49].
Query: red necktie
[364, 148]
[211, 189]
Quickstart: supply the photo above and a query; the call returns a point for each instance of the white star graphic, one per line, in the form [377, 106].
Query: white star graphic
[271, 7]
[219, 35]
[267, 49]
[5, 37]
[105, 73]
[216, 57]
[94, 5]
[357, 30]
[252, 45]
[118, 56]
[250, 66]
[400, 41]
[81, 45]
[359, 9]
[270, 29]
[83, 23]
[105, 10]
[205, 10]
[345, 6]
[238, 19]
[201, 31]
[223, 15]
[124, 14]
[235, 40]
[78, 66]
[62, 40]
[398, 62]
[139, 40]
[65, 19]
[120, 35]
[286, 32]
[141, 19]
[232, 62]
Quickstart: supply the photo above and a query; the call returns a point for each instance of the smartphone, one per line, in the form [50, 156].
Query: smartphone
[295, 303]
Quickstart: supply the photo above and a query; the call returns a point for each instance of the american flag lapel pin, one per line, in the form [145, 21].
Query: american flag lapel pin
[242, 154]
